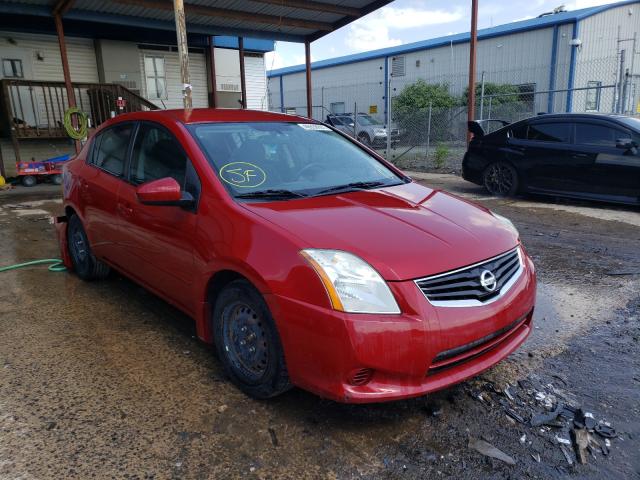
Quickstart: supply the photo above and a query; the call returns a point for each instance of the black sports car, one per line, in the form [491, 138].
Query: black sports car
[588, 156]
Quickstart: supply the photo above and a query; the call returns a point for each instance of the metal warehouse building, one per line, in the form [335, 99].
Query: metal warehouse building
[573, 61]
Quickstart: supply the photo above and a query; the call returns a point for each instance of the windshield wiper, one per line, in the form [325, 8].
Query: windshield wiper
[272, 193]
[350, 187]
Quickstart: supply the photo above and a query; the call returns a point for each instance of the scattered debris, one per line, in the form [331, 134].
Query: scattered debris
[580, 443]
[562, 441]
[222, 408]
[536, 457]
[523, 438]
[485, 448]
[605, 431]
[272, 434]
[567, 454]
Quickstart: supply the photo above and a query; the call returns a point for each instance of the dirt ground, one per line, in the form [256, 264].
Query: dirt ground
[104, 380]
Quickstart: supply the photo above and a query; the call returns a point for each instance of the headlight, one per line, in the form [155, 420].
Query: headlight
[507, 222]
[352, 284]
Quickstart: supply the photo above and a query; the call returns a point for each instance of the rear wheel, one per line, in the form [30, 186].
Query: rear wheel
[85, 264]
[29, 181]
[500, 179]
[56, 179]
[247, 341]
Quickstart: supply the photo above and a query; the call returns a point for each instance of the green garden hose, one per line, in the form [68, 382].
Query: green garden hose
[56, 265]
[82, 129]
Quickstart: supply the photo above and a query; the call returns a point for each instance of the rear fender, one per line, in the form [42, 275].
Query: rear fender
[60, 224]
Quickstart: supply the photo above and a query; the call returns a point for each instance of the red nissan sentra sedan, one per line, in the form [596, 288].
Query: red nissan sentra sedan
[302, 255]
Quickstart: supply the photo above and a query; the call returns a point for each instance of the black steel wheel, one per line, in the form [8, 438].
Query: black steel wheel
[247, 341]
[85, 264]
[500, 179]
[29, 181]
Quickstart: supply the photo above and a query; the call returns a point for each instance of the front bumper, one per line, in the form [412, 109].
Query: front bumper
[423, 349]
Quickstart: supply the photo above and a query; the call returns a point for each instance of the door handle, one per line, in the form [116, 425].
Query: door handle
[581, 155]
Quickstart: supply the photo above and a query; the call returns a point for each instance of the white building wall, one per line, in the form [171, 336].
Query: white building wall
[597, 59]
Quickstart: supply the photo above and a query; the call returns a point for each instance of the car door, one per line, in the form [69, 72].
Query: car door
[545, 156]
[99, 183]
[157, 241]
[611, 171]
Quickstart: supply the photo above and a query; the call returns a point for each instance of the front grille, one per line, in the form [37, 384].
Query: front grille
[475, 284]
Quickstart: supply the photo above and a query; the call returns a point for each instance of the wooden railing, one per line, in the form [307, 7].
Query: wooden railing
[35, 109]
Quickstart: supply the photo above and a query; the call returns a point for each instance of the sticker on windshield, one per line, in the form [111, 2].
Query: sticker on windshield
[314, 126]
[242, 174]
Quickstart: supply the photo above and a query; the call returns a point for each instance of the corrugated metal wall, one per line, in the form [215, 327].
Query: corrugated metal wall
[598, 57]
[44, 56]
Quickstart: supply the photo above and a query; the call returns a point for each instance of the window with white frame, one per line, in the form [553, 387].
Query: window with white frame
[592, 103]
[12, 68]
[156, 80]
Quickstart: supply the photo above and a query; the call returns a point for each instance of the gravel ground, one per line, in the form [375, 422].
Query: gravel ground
[104, 380]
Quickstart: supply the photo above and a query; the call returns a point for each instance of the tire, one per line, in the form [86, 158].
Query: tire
[56, 179]
[364, 139]
[242, 322]
[85, 264]
[29, 181]
[500, 179]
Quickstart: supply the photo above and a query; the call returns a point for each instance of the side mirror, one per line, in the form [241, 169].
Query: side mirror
[164, 192]
[625, 143]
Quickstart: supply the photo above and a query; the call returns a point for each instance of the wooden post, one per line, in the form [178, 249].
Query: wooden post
[71, 96]
[473, 40]
[212, 73]
[307, 61]
[183, 52]
[243, 81]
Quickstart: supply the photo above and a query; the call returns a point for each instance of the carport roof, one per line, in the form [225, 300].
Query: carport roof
[288, 20]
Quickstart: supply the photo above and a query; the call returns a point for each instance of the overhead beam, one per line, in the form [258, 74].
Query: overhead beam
[273, 20]
[315, 6]
[63, 6]
[307, 63]
[346, 21]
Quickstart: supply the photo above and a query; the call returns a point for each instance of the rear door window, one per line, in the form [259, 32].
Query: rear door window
[549, 132]
[111, 148]
[597, 135]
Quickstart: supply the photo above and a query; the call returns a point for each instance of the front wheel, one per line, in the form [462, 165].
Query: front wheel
[247, 341]
[29, 181]
[85, 264]
[500, 179]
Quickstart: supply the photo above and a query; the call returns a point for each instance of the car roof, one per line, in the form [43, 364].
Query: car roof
[576, 116]
[203, 115]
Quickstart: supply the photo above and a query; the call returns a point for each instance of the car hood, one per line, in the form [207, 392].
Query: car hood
[405, 232]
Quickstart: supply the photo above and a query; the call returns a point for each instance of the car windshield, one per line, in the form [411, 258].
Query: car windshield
[631, 122]
[367, 120]
[279, 160]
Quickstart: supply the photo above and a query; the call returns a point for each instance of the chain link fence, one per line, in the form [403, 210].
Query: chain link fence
[427, 114]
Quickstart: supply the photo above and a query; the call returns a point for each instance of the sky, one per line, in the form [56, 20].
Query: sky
[407, 21]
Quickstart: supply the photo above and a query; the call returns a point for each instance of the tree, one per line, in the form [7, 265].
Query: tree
[411, 111]
[500, 93]
[420, 94]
